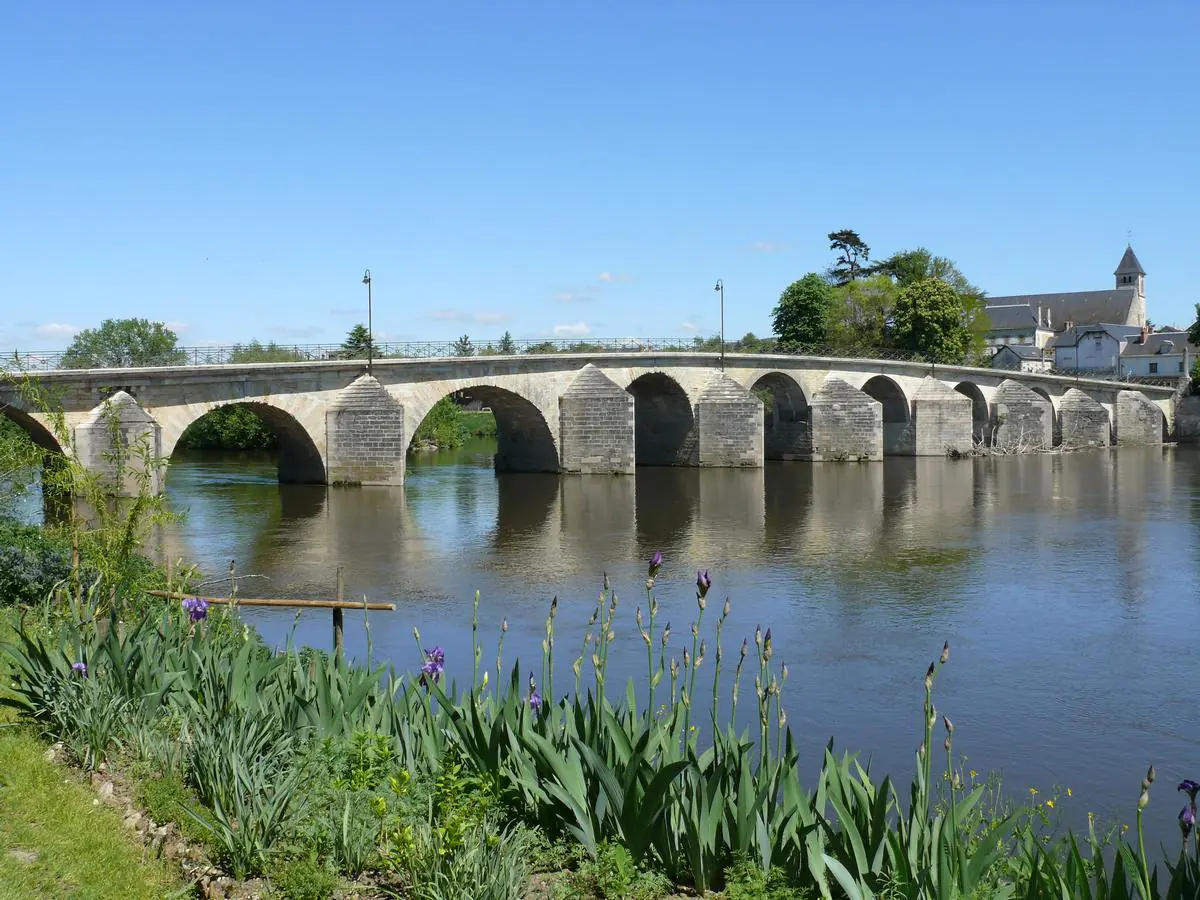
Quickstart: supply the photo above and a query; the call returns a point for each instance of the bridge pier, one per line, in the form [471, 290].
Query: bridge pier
[729, 422]
[1084, 421]
[1023, 419]
[941, 420]
[1139, 420]
[847, 425]
[596, 424]
[364, 437]
[121, 442]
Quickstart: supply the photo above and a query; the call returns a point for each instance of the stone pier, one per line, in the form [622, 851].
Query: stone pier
[364, 430]
[941, 420]
[729, 421]
[1024, 420]
[846, 423]
[596, 421]
[121, 442]
[1084, 421]
[1139, 420]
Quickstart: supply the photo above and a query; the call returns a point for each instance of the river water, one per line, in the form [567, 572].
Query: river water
[1066, 585]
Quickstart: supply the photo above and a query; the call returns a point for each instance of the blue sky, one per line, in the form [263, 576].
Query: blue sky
[573, 168]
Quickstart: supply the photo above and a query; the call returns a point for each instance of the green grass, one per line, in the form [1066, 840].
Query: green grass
[83, 851]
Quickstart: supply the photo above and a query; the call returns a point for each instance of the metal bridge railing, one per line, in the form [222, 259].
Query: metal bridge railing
[255, 352]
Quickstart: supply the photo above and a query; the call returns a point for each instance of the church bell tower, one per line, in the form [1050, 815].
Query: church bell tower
[1132, 276]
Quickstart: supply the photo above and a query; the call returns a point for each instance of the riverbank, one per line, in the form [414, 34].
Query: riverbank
[305, 775]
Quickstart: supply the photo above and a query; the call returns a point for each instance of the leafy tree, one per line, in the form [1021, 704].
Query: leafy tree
[1194, 329]
[20, 458]
[506, 347]
[119, 343]
[802, 314]
[852, 253]
[930, 321]
[749, 343]
[860, 313]
[358, 343]
[909, 266]
[255, 352]
[542, 347]
[230, 427]
[463, 347]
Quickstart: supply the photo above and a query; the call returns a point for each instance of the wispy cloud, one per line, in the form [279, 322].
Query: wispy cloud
[573, 330]
[448, 315]
[492, 318]
[56, 330]
[178, 327]
[611, 278]
[768, 247]
[570, 297]
[689, 327]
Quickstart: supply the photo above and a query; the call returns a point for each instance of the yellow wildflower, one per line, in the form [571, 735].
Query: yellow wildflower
[974, 774]
[1069, 792]
[1050, 804]
[1033, 792]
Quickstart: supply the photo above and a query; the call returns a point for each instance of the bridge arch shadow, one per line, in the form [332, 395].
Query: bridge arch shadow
[786, 416]
[979, 410]
[896, 413]
[664, 424]
[55, 492]
[1055, 419]
[524, 441]
[299, 459]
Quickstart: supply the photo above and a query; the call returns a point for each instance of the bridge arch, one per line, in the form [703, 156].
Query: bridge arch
[54, 490]
[524, 440]
[980, 415]
[664, 422]
[786, 416]
[897, 413]
[300, 460]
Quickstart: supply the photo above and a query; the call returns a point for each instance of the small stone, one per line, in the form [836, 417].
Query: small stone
[28, 857]
[105, 792]
[132, 820]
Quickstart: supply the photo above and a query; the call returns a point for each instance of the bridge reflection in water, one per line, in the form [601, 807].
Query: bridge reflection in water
[1065, 584]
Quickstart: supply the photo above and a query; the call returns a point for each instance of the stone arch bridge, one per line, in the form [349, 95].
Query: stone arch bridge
[604, 412]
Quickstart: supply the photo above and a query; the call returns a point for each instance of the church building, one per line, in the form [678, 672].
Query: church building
[1035, 319]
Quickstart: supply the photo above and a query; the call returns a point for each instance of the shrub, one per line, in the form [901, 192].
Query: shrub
[303, 878]
[613, 875]
[32, 562]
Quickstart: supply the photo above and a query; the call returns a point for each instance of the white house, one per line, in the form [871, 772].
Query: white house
[1092, 348]
[1166, 354]
[1023, 358]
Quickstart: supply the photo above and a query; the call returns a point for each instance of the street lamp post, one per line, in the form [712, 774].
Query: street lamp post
[370, 325]
[720, 288]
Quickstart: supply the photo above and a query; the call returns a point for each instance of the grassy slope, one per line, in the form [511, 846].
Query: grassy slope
[82, 849]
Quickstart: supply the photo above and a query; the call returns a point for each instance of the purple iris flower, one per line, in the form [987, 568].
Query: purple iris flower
[703, 582]
[196, 608]
[1187, 821]
[535, 699]
[79, 668]
[656, 562]
[435, 664]
[1189, 787]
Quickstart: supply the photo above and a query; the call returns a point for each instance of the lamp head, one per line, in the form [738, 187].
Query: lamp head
[718, 285]
[367, 277]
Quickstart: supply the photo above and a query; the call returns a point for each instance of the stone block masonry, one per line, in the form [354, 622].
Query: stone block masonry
[1023, 420]
[596, 425]
[729, 422]
[941, 420]
[120, 441]
[1139, 420]
[1084, 422]
[364, 431]
[846, 423]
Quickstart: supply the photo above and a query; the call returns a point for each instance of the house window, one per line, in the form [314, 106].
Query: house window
[1099, 343]
[1153, 368]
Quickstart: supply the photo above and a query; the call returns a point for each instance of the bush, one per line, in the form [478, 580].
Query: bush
[32, 562]
[613, 875]
[304, 878]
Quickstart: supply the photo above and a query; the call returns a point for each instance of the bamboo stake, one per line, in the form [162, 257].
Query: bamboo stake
[338, 645]
[273, 601]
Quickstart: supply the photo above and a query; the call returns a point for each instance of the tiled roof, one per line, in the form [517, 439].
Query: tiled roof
[1072, 336]
[1156, 345]
[1079, 307]
[1010, 318]
[1024, 351]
